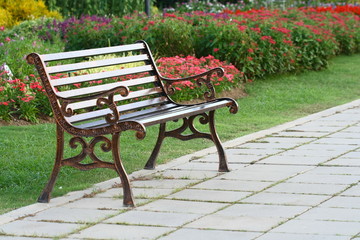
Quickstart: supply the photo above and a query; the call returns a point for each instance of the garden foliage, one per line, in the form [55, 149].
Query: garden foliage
[256, 43]
[13, 12]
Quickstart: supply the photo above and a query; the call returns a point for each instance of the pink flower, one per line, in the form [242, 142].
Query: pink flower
[216, 49]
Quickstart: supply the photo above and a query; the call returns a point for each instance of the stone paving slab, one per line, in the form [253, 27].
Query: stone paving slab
[209, 195]
[167, 205]
[332, 214]
[150, 218]
[233, 185]
[297, 236]
[319, 227]
[288, 199]
[39, 229]
[114, 231]
[201, 234]
[298, 180]
[306, 188]
[72, 215]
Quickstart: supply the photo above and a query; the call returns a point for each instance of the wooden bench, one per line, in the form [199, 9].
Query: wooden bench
[126, 92]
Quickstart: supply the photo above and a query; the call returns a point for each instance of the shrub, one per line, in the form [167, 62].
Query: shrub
[5, 18]
[21, 10]
[79, 8]
[170, 36]
[180, 67]
[45, 28]
[14, 49]
[23, 98]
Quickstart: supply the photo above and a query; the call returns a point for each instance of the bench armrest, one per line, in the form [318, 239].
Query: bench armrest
[100, 102]
[200, 79]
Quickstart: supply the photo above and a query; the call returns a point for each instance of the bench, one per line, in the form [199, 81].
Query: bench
[112, 95]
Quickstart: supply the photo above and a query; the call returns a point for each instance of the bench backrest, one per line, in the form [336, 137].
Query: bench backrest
[87, 73]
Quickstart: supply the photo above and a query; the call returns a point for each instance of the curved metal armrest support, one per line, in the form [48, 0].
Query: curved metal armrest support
[200, 79]
[100, 102]
[232, 105]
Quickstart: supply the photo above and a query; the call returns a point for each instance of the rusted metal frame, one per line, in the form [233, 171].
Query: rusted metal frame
[128, 199]
[35, 59]
[45, 195]
[169, 90]
[223, 165]
[200, 79]
[110, 118]
[88, 150]
[150, 164]
[188, 123]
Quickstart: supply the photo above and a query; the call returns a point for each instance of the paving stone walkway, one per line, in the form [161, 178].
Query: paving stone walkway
[296, 181]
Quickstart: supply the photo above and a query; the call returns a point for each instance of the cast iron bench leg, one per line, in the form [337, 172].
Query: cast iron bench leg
[223, 165]
[128, 197]
[150, 164]
[45, 195]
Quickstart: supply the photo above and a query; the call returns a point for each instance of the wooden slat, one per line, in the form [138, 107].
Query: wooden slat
[122, 108]
[91, 52]
[105, 87]
[99, 76]
[135, 94]
[96, 64]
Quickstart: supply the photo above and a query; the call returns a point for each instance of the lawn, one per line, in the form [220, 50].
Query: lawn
[27, 152]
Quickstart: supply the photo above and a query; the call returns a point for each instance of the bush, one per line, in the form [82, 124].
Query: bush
[256, 42]
[180, 67]
[22, 98]
[25, 98]
[80, 8]
[15, 48]
[45, 28]
[21, 10]
[5, 18]
[169, 37]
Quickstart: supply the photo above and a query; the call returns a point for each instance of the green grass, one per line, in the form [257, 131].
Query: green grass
[27, 152]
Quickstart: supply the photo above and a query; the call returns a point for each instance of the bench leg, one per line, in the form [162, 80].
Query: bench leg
[45, 195]
[223, 165]
[150, 164]
[128, 197]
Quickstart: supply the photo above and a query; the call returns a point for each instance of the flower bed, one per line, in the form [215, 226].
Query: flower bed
[25, 98]
[256, 43]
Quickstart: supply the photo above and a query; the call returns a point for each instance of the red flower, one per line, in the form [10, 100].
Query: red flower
[216, 49]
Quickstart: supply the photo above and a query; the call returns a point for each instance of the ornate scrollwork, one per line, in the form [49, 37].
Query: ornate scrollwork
[200, 79]
[189, 123]
[67, 112]
[170, 90]
[113, 117]
[208, 96]
[233, 107]
[88, 150]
